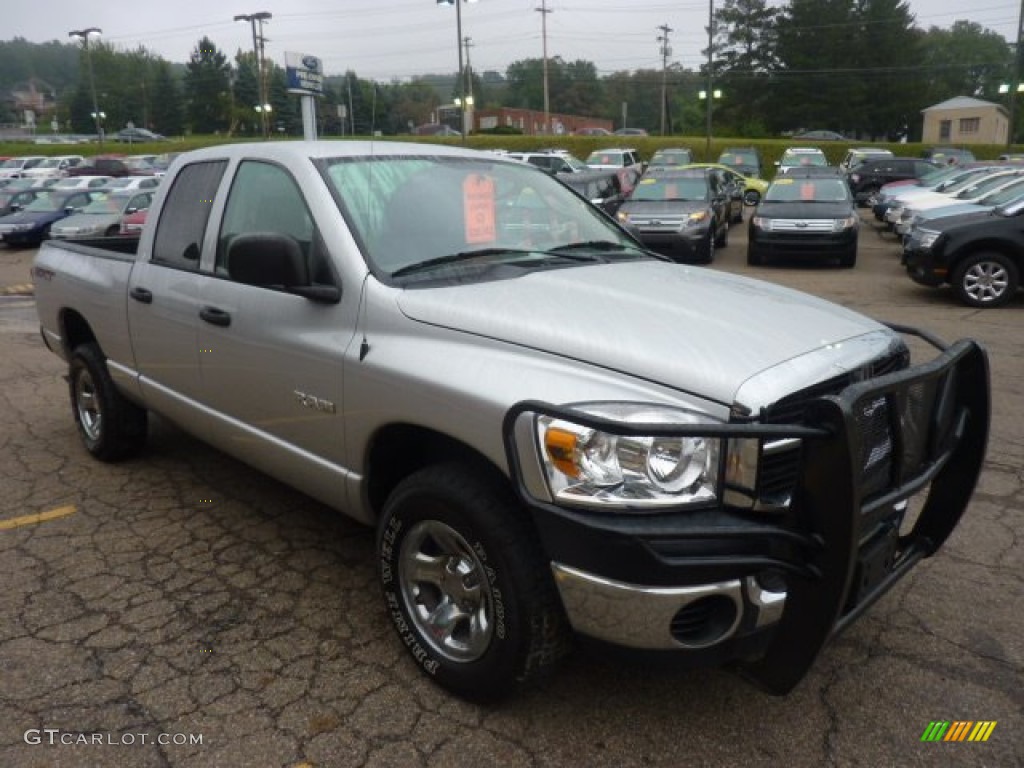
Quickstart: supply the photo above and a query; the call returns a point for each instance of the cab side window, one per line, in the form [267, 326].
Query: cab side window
[264, 199]
[182, 222]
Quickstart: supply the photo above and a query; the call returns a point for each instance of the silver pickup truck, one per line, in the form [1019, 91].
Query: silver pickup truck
[554, 432]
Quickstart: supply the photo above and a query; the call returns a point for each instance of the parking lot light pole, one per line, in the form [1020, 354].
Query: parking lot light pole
[257, 51]
[83, 35]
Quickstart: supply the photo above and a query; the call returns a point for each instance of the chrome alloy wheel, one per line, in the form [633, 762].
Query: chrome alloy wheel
[446, 591]
[88, 406]
[986, 281]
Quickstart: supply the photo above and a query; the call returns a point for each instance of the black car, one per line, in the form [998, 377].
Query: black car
[871, 175]
[981, 257]
[602, 188]
[685, 213]
[807, 216]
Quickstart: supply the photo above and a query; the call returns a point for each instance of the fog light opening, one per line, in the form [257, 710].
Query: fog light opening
[705, 621]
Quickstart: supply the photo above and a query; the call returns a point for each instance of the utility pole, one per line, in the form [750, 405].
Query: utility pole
[543, 11]
[1015, 80]
[711, 36]
[666, 51]
[258, 41]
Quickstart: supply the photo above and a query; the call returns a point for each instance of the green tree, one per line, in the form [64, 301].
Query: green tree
[815, 45]
[246, 95]
[744, 58]
[965, 60]
[207, 85]
[167, 113]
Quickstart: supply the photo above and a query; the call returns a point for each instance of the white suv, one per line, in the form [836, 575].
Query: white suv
[605, 159]
[798, 157]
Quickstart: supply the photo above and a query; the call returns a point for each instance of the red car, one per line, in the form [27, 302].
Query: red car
[131, 225]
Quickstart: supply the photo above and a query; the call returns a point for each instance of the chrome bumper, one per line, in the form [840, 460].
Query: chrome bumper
[636, 616]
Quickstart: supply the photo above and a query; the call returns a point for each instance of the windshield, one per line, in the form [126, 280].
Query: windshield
[808, 191]
[986, 185]
[960, 183]
[671, 188]
[407, 210]
[803, 158]
[106, 204]
[671, 157]
[13, 162]
[46, 204]
[1007, 194]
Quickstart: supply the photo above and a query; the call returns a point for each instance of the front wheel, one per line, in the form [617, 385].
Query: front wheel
[751, 197]
[465, 584]
[722, 238]
[111, 427]
[987, 279]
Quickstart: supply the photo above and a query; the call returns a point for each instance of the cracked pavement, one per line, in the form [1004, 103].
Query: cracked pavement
[188, 594]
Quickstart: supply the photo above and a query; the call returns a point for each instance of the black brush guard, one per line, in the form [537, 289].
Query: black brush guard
[932, 420]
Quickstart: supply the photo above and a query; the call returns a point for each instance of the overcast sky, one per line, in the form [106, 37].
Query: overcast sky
[387, 39]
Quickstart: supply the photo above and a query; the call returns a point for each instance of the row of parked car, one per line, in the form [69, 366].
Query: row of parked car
[104, 196]
[961, 226]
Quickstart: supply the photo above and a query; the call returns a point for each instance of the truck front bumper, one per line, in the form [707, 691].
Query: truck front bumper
[706, 581]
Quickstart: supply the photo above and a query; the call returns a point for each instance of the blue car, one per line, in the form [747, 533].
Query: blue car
[31, 225]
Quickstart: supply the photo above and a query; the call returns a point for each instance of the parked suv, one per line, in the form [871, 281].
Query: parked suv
[552, 162]
[857, 155]
[603, 159]
[871, 175]
[685, 213]
[743, 160]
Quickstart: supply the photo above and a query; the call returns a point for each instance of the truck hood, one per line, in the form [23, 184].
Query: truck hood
[693, 329]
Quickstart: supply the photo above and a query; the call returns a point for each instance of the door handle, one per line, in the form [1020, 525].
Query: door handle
[141, 294]
[215, 316]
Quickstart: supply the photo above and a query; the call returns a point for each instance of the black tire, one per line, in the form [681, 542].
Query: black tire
[111, 427]
[506, 628]
[738, 216]
[986, 279]
[751, 197]
[754, 258]
[112, 231]
[868, 193]
[849, 259]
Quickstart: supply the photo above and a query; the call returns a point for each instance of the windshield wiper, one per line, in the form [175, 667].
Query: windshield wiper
[592, 245]
[453, 258]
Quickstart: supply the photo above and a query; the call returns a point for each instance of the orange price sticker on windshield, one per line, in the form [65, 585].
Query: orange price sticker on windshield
[478, 207]
[807, 191]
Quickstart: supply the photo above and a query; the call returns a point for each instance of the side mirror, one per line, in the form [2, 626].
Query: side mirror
[273, 260]
[129, 211]
[68, 210]
[17, 207]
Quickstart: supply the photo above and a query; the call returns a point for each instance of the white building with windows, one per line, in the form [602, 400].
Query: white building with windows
[965, 120]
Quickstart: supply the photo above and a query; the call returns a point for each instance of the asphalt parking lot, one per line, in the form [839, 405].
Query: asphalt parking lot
[185, 610]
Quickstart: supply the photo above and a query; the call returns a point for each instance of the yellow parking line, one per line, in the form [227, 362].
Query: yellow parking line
[38, 517]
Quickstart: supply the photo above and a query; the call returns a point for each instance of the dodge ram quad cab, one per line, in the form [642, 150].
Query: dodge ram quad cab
[555, 432]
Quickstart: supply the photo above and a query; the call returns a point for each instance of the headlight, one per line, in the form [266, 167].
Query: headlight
[695, 218]
[847, 223]
[585, 465]
[622, 216]
[761, 222]
[926, 238]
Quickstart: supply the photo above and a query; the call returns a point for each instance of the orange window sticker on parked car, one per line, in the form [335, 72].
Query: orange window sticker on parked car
[807, 192]
[478, 208]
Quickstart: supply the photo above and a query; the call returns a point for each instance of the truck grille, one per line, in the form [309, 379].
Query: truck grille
[779, 466]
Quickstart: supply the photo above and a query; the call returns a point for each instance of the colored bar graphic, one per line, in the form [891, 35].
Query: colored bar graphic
[958, 730]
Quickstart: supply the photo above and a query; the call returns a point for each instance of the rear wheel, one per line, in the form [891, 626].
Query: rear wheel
[986, 279]
[465, 583]
[751, 197]
[110, 426]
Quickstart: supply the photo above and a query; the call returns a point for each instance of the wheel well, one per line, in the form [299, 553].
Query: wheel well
[398, 450]
[982, 247]
[75, 330]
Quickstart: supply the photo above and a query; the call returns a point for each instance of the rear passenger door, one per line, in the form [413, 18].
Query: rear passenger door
[272, 360]
[164, 293]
